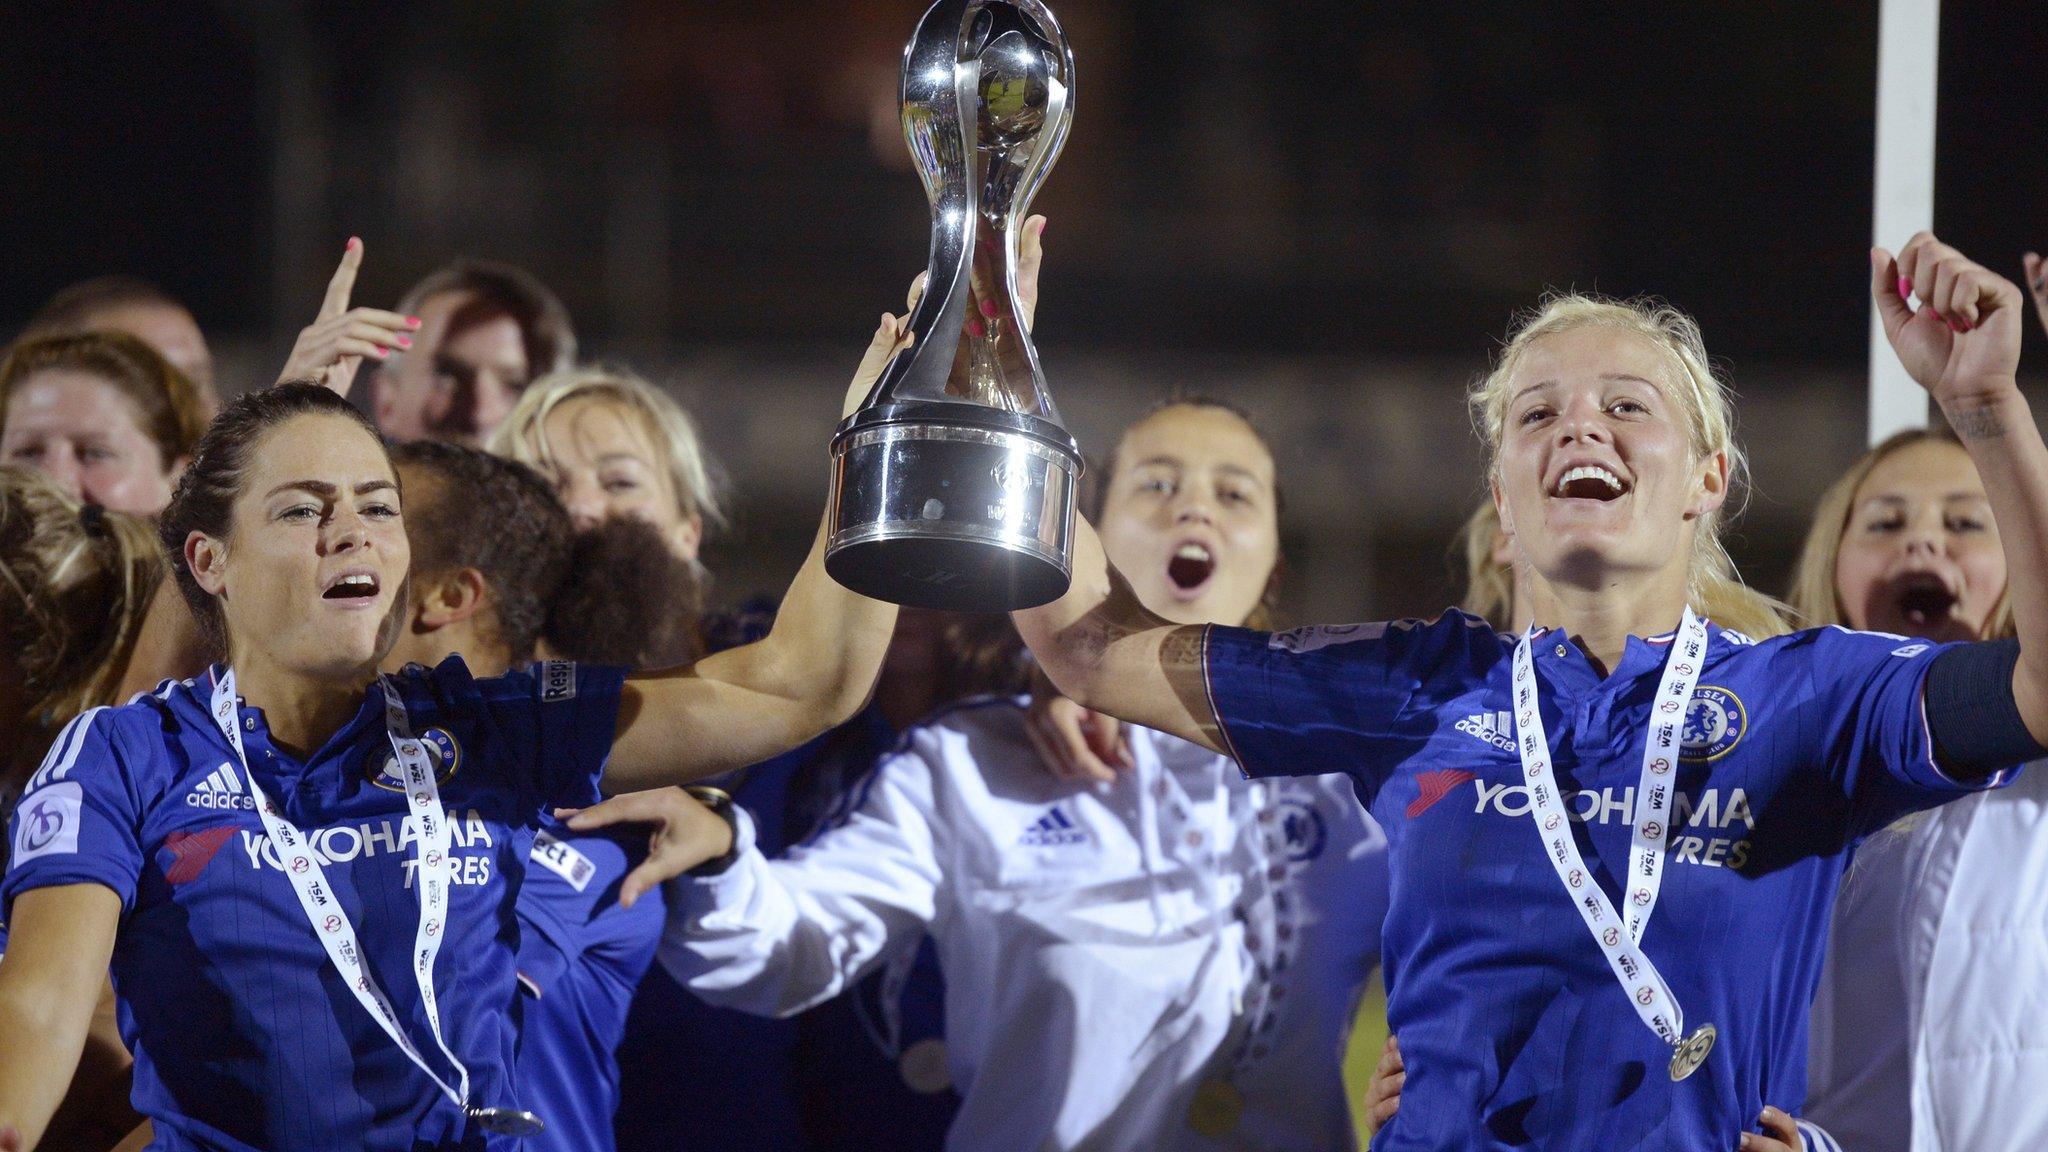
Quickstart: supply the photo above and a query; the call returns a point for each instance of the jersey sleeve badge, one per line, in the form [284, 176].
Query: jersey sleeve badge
[557, 679]
[46, 823]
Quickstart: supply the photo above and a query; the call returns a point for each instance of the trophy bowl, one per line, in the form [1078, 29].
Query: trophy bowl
[953, 486]
[967, 511]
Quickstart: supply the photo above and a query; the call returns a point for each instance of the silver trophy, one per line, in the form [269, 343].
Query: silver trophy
[953, 485]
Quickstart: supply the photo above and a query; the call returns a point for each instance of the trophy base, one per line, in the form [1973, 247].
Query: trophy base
[953, 506]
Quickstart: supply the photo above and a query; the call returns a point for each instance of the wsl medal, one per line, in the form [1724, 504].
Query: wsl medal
[1621, 939]
[514, 1122]
[1692, 1052]
[1216, 1108]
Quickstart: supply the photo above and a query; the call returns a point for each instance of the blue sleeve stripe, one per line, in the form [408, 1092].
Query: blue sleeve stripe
[63, 754]
[162, 691]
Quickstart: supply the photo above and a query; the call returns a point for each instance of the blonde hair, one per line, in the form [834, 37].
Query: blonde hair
[1815, 600]
[75, 584]
[523, 437]
[1712, 582]
[1489, 584]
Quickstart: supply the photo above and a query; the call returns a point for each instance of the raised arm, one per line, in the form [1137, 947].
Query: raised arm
[1110, 653]
[60, 940]
[812, 672]
[333, 346]
[1963, 346]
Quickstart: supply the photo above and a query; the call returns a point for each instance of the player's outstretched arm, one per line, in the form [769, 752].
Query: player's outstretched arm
[812, 672]
[1963, 345]
[1103, 648]
[59, 942]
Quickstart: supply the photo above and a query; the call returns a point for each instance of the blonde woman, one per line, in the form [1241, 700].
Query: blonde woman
[615, 445]
[1610, 939]
[1928, 1026]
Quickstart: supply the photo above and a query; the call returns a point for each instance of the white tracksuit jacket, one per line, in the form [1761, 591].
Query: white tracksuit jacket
[1114, 955]
[1930, 1028]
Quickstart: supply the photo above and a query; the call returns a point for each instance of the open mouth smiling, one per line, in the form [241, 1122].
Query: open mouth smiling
[1589, 482]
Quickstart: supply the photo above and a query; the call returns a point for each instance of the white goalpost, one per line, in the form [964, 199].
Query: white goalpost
[1908, 48]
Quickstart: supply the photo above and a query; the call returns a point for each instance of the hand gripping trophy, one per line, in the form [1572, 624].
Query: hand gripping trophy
[953, 485]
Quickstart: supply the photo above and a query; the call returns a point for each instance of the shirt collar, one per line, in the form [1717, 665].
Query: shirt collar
[256, 727]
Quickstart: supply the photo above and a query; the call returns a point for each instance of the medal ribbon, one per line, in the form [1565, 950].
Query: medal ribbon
[1620, 941]
[323, 910]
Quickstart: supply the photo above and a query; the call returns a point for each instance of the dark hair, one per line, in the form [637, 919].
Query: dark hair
[204, 501]
[74, 306]
[494, 515]
[1095, 486]
[167, 403]
[629, 600]
[504, 290]
[1095, 489]
[990, 654]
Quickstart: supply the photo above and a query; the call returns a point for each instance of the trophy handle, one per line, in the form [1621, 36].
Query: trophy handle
[940, 100]
[1059, 117]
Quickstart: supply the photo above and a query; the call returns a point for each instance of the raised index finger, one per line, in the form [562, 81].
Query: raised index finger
[343, 285]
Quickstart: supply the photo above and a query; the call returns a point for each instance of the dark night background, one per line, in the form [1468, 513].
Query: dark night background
[1328, 210]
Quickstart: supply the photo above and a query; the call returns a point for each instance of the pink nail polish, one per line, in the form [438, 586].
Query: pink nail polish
[988, 309]
[354, 242]
[1957, 326]
[414, 321]
[405, 341]
[1905, 288]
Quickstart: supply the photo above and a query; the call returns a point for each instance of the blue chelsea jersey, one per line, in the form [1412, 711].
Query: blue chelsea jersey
[1515, 1032]
[581, 955]
[244, 1035]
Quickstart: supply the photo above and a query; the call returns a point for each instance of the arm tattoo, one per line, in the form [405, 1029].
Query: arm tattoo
[1182, 648]
[1977, 424]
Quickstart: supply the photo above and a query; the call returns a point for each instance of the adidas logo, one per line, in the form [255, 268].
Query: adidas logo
[218, 790]
[1496, 728]
[1052, 830]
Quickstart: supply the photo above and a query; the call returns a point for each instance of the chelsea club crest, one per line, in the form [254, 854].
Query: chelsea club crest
[1302, 832]
[1714, 724]
[381, 765]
